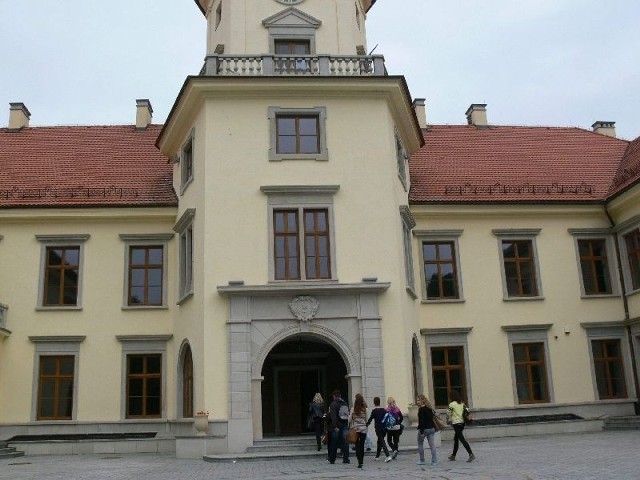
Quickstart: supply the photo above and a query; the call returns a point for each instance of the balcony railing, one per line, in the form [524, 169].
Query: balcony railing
[298, 65]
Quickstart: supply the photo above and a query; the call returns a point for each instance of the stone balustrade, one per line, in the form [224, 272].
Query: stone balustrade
[294, 65]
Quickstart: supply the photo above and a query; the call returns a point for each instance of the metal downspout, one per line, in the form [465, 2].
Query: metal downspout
[625, 304]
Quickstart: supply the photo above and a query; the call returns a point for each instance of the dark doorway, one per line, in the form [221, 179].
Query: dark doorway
[293, 372]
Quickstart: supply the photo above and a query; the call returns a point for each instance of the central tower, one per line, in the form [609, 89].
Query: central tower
[290, 153]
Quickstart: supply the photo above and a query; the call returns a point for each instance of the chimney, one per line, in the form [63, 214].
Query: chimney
[18, 116]
[477, 114]
[605, 128]
[421, 112]
[144, 113]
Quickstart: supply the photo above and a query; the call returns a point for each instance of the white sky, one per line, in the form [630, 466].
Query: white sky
[534, 62]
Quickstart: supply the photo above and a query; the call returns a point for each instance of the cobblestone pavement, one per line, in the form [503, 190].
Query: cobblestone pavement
[603, 455]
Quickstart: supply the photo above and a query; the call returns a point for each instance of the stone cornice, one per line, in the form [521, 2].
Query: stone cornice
[303, 289]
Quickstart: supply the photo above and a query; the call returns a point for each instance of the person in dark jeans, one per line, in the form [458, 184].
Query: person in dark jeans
[393, 435]
[339, 429]
[377, 414]
[359, 423]
[456, 415]
[316, 413]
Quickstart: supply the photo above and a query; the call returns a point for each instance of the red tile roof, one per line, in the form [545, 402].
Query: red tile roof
[498, 164]
[81, 166]
[628, 172]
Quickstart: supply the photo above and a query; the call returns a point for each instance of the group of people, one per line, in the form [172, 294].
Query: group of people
[336, 421]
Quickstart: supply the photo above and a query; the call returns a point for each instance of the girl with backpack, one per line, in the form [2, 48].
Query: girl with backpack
[393, 425]
[377, 416]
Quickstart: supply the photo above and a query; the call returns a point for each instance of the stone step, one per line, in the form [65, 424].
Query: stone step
[9, 452]
[622, 423]
[279, 444]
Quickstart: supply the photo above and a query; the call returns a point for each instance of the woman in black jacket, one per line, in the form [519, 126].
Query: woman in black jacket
[426, 428]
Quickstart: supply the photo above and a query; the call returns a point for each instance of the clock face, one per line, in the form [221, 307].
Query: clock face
[290, 2]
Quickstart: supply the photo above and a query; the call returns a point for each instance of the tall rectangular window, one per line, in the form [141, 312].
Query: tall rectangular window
[315, 238]
[187, 162]
[185, 227]
[448, 370]
[146, 265]
[609, 369]
[519, 268]
[530, 372]
[55, 387]
[632, 243]
[61, 276]
[144, 386]
[594, 266]
[440, 270]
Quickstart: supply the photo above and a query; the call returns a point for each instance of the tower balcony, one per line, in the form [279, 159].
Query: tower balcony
[270, 65]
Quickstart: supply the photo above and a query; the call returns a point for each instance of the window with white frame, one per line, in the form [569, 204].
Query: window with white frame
[184, 228]
[145, 270]
[529, 352]
[408, 222]
[55, 384]
[596, 261]
[60, 284]
[448, 364]
[298, 134]
[186, 162]
[519, 259]
[301, 232]
[440, 260]
[143, 376]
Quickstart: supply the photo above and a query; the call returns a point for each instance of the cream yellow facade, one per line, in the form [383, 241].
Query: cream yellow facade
[261, 337]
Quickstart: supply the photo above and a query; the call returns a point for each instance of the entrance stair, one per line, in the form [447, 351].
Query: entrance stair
[622, 423]
[9, 452]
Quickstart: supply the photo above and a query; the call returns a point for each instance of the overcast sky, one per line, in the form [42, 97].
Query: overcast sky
[534, 62]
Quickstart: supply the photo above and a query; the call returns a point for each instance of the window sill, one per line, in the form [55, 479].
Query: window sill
[445, 300]
[328, 281]
[184, 186]
[278, 157]
[145, 307]
[633, 292]
[521, 299]
[411, 292]
[599, 295]
[54, 308]
[184, 298]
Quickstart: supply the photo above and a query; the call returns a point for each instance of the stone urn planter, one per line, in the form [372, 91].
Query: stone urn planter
[413, 415]
[201, 422]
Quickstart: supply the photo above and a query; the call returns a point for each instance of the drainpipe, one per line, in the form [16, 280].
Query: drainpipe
[625, 303]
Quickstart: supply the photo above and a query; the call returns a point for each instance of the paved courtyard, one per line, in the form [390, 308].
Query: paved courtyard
[604, 455]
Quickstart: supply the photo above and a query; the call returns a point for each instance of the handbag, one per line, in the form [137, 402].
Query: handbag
[466, 416]
[352, 435]
[325, 438]
[438, 423]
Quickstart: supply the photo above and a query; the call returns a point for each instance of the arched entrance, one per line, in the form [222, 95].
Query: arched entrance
[293, 371]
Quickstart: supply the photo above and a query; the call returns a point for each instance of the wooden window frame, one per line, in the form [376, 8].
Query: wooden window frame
[302, 235]
[64, 242]
[277, 114]
[62, 269]
[519, 237]
[187, 382]
[438, 262]
[298, 135]
[607, 361]
[590, 263]
[57, 379]
[530, 365]
[146, 268]
[447, 368]
[302, 198]
[145, 376]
